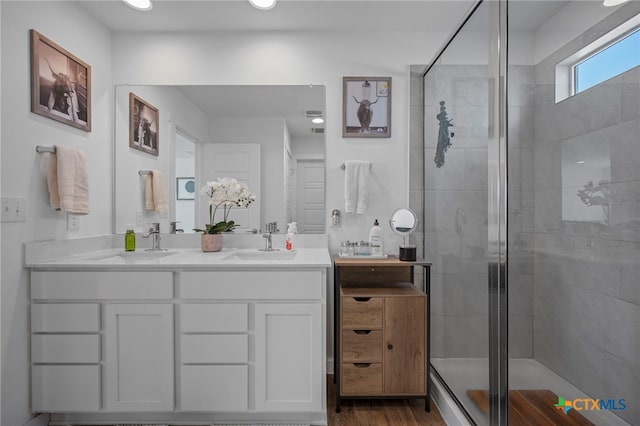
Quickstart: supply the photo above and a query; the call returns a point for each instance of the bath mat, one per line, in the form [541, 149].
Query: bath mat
[529, 405]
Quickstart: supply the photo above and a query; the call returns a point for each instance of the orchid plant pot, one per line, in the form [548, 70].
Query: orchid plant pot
[211, 242]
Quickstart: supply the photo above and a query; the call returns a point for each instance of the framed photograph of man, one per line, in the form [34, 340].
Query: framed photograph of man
[60, 84]
[366, 107]
[143, 125]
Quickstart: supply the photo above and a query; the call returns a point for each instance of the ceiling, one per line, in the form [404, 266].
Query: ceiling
[289, 102]
[296, 15]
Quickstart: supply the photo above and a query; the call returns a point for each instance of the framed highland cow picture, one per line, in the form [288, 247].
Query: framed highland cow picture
[366, 107]
[60, 84]
[143, 125]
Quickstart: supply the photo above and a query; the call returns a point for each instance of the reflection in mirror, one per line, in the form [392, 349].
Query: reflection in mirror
[261, 135]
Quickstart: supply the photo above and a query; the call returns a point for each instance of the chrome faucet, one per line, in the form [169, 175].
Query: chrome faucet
[267, 242]
[173, 228]
[155, 231]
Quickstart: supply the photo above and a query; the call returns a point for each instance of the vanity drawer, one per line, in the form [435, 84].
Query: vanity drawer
[65, 318]
[362, 345]
[260, 285]
[215, 349]
[75, 285]
[362, 312]
[214, 317]
[361, 379]
[214, 388]
[65, 349]
[65, 388]
[374, 274]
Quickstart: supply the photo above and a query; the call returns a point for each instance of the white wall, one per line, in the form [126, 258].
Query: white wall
[282, 58]
[79, 33]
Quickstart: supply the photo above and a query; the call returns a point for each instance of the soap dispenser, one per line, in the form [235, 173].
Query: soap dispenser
[129, 239]
[375, 239]
[291, 231]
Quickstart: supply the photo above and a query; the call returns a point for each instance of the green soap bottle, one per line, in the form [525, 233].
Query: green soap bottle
[129, 239]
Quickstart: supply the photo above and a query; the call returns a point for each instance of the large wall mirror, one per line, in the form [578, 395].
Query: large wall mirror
[261, 135]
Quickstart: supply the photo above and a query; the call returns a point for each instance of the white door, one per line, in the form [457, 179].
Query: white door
[289, 374]
[139, 357]
[310, 213]
[235, 160]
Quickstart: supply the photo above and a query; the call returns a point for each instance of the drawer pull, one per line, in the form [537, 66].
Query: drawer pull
[362, 332]
[389, 346]
[361, 299]
[361, 364]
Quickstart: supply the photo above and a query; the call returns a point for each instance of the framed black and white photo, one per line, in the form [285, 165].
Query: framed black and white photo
[143, 125]
[185, 188]
[60, 84]
[366, 107]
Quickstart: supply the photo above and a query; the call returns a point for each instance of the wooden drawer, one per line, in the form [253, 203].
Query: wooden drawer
[361, 379]
[65, 388]
[362, 312]
[256, 285]
[215, 349]
[75, 285]
[214, 317]
[65, 318]
[214, 388]
[374, 274]
[362, 346]
[65, 349]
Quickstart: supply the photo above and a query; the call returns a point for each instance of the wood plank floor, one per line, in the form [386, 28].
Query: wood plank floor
[532, 407]
[382, 412]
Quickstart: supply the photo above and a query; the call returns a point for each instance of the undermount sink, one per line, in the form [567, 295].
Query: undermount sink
[262, 255]
[145, 254]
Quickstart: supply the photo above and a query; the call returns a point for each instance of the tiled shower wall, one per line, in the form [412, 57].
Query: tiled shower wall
[587, 269]
[455, 199]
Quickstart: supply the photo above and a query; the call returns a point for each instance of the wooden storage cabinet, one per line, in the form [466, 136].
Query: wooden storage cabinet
[381, 343]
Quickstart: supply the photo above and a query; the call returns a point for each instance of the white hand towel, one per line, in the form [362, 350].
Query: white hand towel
[68, 181]
[356, 192]
[160, 198]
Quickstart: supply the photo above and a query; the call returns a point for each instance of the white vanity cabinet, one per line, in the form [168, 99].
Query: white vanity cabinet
[102, 341]
[185, 344]
[253, 341]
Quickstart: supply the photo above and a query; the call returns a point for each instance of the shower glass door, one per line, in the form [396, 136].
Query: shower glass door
[456, 135]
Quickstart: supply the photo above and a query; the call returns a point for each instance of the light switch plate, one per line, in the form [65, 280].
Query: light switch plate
[14, 209]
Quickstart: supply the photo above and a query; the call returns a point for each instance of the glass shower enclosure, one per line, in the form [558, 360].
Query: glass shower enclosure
[531, 208]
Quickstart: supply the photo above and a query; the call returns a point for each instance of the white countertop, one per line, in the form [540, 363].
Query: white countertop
[188, 258]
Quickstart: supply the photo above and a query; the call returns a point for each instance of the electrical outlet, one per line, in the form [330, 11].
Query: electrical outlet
[139, 218]
[14, 209]
[73, 223]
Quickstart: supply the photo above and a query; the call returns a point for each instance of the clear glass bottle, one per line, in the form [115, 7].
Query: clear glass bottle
[129, 239]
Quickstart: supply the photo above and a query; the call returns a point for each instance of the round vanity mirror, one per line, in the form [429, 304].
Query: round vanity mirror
[404, 222]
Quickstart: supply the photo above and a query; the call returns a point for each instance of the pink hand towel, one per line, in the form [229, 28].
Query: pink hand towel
[68, 181]
[160, 198]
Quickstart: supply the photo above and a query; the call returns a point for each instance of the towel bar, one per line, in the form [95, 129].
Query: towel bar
[343, 166]
[144, 172]
[40, 149]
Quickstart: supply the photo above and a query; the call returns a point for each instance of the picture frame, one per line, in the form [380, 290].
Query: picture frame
[363, 117]
[185, 188]
[60, 83]
[144, 121]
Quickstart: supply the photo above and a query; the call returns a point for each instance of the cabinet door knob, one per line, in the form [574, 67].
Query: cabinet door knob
[389, 346]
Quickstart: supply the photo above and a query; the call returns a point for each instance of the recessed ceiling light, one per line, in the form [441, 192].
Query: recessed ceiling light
[142, 5]
[263, 4]
[609, 3]
[318, 120]
[580, 162]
